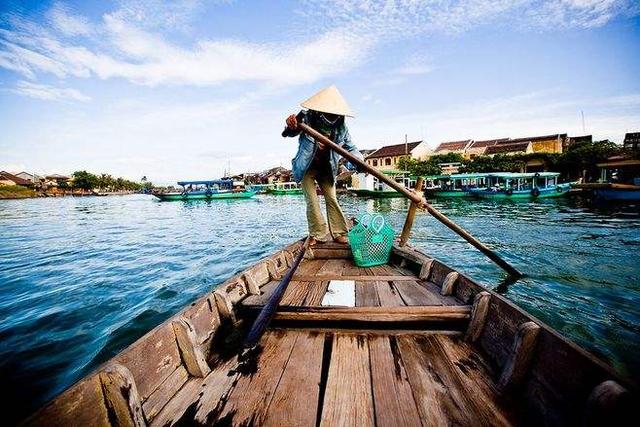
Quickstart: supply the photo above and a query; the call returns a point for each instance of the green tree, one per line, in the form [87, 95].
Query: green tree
[84, 180]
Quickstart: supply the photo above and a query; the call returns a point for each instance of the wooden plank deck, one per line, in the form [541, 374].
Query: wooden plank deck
[384, 285]
[306, 378]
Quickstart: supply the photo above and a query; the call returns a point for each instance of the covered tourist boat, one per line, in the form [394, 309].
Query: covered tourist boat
[619, 181]
[456, 185]
[507, 185]
[285, 189]
[207, 190]
[414, 342]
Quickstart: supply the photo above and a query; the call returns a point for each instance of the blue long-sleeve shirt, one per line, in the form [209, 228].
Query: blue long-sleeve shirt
[307, 148]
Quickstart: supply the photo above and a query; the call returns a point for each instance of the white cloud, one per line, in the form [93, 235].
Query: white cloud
[535, 113]
[140, 56]
[67, 23]
[395, 19]
[130, 42]
[49, 93]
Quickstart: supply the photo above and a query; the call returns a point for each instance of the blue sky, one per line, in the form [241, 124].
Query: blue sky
[180, 90]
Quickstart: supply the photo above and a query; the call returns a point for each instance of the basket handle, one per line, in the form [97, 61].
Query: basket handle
[365, 219]
[373, 223]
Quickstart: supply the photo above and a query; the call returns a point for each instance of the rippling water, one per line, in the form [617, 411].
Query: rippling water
[82, 278]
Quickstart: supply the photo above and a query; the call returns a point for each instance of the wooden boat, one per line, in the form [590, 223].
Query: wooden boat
[507, 185]
[219, 189]
[285, 189]
[421, 345]
[456, 185]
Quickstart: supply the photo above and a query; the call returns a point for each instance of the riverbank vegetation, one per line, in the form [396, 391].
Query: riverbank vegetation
[15, 192]
[579, 160]
[104, 182]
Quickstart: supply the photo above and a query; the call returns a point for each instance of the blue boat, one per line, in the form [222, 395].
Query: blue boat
[219, 189]
[508, 185]
[619, 181]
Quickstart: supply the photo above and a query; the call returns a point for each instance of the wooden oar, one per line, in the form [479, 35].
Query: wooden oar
[413, 196]
[269, 309]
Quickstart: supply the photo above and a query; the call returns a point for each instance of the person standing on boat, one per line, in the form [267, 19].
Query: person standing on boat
[326, 111]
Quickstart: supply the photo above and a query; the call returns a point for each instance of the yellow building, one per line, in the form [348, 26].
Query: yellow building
[387, 157]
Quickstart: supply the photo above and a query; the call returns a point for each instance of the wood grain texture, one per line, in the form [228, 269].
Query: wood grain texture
[249, 400]
[310, 267]
[393, 397]
[367, 294]
[265, 294]
[522, 351]
[121, 396]
[412, 293]
[449, 384]
[316, 293]
[203, 315]
[449, 283]
[348, 398]
[478, 316]
[296, 293]
[81, 405]
[388, 278]
[190, 350]
[388, 294]
[154, 404]
[296, 397]
[151, 359]
[411, 215]
[179, 407]
[376, 314]
[215, 391]
[425, 269]
[332, 268]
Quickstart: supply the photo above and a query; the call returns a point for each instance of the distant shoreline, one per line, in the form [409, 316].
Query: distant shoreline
[19, 193]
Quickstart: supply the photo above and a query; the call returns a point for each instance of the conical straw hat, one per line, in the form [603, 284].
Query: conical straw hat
[328, 100]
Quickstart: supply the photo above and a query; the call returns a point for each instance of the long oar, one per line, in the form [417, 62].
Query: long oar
[269, 309]
[412, 196]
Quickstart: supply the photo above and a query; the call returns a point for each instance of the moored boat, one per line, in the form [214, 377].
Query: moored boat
[219, 189]
[285, 189]
[619, 181]
[456, 185]
[414, 343]
[507, 185]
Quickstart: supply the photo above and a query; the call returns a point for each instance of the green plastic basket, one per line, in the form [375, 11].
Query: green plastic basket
[371, 241]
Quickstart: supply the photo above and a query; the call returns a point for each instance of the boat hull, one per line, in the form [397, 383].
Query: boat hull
[558, 191]
[617, 195]
[377, 194]
[171, 197]
[293, 192]
[458, 347]
[437, 193]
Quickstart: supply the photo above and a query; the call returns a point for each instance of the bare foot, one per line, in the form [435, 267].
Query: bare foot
[312, 241]
[341, 239]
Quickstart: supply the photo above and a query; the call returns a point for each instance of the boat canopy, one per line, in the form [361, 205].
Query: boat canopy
[457, 176]
[207, 183]
[514, 175]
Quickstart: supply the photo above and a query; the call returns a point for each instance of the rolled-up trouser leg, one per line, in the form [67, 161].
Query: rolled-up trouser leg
[337, 221]
[317, 224]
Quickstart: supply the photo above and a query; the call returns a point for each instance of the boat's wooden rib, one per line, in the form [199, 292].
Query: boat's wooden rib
[424, 345]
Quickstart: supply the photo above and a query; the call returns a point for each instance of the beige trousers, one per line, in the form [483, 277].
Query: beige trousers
[317, 224]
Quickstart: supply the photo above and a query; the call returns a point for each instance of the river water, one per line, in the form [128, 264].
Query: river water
[82, 278]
